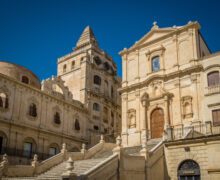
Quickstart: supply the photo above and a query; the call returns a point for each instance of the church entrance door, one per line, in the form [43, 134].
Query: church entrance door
[157, 123]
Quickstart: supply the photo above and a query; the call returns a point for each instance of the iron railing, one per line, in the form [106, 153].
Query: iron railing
[194, 131]
[23, 154]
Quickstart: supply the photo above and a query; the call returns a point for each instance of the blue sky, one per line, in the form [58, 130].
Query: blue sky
[34, 33]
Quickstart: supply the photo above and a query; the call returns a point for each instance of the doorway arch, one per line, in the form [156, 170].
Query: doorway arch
[3, 142]
[157, 123]
[189, 170]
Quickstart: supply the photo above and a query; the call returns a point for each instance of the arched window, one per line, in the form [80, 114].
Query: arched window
[213, 78]
[53, 149]
[97, 80]
[97, 60]
[25, 79]
[155, 63]
[64, 68]
[57, 118]
[33, 110]
[107, 66]
[29, 147]
[188, 170]
[73, 64]
[77, 125]
[4, 100]
[96, 107]
[3, 142]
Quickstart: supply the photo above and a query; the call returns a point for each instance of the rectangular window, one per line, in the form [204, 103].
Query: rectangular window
[216, 117]
[27, 149]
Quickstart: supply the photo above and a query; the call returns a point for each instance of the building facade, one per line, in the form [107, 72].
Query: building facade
[38, 117]
[170, 94]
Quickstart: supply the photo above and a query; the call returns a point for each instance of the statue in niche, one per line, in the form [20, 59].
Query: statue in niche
[131, 118]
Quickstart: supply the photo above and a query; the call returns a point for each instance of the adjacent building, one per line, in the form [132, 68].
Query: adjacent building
[74, 107]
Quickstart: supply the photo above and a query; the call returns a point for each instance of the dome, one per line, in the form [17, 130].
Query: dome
[19, 73]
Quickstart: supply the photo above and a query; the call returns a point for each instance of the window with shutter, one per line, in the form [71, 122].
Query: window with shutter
[216, 117]
[213, 78]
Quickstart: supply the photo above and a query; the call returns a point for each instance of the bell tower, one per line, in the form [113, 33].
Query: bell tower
[91, 75]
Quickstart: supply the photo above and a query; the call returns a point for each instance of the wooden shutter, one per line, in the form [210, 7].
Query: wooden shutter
[213, 78]
[216, 117]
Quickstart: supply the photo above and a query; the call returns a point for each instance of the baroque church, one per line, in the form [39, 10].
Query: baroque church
[167, 122]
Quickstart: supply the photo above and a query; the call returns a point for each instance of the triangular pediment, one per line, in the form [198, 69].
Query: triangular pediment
[153, 35]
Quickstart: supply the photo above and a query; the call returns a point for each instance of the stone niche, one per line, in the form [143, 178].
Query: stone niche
[186, 105]
[131, 118]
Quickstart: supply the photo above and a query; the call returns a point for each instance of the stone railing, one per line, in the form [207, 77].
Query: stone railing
[212, 90]
[192, 131]
[107, 168]
[37, 167]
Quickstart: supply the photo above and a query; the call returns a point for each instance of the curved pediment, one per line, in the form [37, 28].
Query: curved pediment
[55, 86]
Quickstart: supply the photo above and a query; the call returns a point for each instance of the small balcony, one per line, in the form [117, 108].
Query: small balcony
[212, 90]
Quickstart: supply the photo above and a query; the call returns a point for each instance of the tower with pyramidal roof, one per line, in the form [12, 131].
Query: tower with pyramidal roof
[91, 75]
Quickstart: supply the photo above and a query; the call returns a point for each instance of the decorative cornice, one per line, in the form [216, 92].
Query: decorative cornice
[79, 106]
[164, 78]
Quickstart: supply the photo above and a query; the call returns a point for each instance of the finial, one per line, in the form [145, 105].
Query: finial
[155, 26]
[189, 22]
[118, 141]
[70, 165]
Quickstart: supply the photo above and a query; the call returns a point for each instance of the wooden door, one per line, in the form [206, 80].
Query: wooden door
[157, 123]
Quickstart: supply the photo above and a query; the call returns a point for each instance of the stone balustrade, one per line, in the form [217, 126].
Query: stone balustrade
[212, 90]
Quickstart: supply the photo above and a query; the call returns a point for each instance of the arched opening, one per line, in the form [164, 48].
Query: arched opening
[97, 80]
[97, 60]
[57, 118]
[64, 68]
[53, 149]
[3, 142]
[77, 125]
[155, 63]
[73, 65]
[33, 110]
[25, 79]
[213, 78]
[29, 147]
[96, 107]
[157, 123]
[188, 170]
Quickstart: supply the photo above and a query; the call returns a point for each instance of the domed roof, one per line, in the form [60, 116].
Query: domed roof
[19, 73]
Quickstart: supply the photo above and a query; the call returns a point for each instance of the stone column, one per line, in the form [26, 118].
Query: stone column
[124, 71]
[124, 119]
[144, 119]
[166, 114]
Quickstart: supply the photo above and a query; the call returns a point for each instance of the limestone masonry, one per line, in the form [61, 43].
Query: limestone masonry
[165, 112]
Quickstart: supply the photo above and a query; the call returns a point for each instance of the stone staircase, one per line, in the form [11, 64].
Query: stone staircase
[135, 150]
[152, 143]
[80, 167]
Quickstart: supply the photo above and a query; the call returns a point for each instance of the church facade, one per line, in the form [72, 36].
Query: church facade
[170, 94]
[74, 107]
